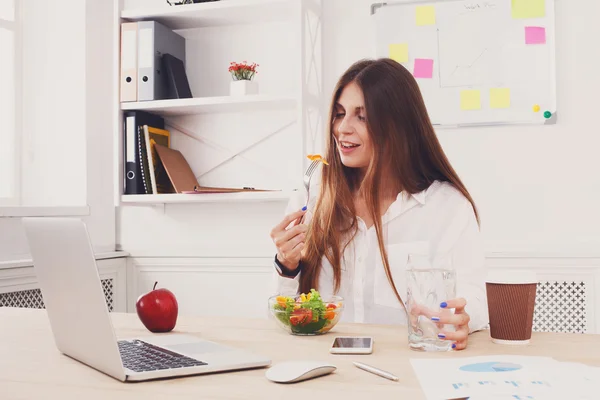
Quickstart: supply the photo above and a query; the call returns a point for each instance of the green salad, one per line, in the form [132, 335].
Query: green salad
[306, 313]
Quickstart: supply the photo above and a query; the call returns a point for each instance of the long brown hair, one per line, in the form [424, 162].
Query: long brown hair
[404, 144]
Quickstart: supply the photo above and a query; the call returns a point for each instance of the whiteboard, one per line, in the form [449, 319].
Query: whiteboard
[476, 62]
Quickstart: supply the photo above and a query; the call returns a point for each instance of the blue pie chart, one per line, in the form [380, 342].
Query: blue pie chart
[491, 367]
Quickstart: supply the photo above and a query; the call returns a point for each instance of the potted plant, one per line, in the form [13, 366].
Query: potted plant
[243, 74]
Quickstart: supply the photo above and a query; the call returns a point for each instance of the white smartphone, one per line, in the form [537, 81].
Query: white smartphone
[352, 345]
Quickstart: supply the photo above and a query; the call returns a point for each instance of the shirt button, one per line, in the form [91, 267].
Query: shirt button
[359, 259]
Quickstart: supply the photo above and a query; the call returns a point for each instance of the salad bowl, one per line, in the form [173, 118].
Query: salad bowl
[306, 314]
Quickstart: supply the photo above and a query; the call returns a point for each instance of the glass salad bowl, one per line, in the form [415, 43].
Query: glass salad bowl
[306, 314]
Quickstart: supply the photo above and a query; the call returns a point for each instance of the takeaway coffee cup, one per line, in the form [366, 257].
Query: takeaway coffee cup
[511, 303]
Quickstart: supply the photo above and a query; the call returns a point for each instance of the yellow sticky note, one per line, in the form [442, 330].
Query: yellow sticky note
[528, 8]
[470, 99]
[500, 98]
[399, 52]
[425, 15]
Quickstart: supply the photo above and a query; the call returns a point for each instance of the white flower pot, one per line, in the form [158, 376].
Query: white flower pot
[243, 87]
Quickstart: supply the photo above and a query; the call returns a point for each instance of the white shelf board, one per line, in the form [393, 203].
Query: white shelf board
[217, 13]
[28, 262]
[44, 211]
[198, 105]
[180, 198]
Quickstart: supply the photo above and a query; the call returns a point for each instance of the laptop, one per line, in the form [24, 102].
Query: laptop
[66, 269]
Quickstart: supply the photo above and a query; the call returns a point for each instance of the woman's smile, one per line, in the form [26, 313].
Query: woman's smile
[347, 147]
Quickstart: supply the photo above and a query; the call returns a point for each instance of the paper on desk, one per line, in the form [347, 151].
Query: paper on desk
[583, 381]
[504, 377]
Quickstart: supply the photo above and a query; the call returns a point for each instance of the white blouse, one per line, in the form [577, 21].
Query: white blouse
[438, 220]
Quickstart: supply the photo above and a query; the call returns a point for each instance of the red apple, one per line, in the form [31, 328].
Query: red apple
[157, 310]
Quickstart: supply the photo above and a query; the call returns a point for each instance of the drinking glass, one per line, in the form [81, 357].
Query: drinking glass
[429, 282]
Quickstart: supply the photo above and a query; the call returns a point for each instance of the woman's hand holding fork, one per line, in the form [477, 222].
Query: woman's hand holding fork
[290, 241]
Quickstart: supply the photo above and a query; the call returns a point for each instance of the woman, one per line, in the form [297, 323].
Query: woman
[388, 191]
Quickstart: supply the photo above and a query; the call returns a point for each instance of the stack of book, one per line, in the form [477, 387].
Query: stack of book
[144, 172]
[151, 166]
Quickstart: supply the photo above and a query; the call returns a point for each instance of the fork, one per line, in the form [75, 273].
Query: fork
[307, 177]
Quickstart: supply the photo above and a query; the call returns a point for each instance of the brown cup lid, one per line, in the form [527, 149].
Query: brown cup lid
[511, 277]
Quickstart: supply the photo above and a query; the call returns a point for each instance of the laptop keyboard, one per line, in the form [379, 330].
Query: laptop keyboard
[140, 356]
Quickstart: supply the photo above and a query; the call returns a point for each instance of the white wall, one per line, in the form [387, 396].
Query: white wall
[13, 245]
[537, 188]
[68, 117]
[100, 112]
[54, 45]
[8, 107]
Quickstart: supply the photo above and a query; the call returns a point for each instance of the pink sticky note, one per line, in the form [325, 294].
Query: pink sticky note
[423, 68]
[535, 35]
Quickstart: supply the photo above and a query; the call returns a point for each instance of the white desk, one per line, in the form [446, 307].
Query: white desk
[32, 368]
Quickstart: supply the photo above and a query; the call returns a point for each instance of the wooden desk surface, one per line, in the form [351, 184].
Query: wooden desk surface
[32, 368]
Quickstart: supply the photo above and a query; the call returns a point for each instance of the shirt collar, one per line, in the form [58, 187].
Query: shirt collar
[404, 202]
[420, 197]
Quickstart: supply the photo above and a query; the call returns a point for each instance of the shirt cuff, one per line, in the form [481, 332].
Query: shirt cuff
[478, 313]
[284, 271]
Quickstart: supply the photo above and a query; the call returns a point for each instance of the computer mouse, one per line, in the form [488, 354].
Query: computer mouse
[296, 371]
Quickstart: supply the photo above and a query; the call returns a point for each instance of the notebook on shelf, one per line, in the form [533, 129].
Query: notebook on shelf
[182, 177]
[177, 84]
[159, 182]
[133, 146]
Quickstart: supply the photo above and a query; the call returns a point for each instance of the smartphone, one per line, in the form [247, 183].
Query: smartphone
[352, 345]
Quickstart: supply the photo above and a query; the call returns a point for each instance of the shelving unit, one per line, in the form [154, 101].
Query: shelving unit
[302, 106]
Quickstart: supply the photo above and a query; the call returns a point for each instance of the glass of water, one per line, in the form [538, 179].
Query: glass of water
[429, 282]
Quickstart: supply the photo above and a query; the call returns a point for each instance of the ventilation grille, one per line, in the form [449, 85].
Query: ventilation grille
[33, 298]
[560, 307]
